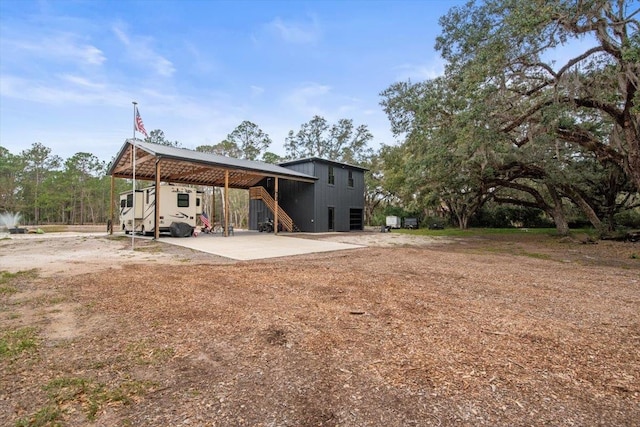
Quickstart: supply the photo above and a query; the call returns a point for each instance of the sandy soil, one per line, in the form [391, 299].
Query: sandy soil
[515, 330]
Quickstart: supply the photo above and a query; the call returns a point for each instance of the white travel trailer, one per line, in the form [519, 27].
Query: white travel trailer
[393, 222]
[178, 204]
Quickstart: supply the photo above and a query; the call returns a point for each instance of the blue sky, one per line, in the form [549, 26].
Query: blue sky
[69, 70]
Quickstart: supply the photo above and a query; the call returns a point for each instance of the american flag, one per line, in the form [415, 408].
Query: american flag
[205, 220]
[139, 125]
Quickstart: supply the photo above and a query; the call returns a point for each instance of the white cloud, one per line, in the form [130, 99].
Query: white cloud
[306, 99]
[256, 90]
[142, 52]
[65, 90]
[297, 32]
[58, 47]
[420, 72]
[82, 82]
[200, 64]
[121, 35]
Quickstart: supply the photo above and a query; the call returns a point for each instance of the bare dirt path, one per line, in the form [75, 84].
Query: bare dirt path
[517, 330]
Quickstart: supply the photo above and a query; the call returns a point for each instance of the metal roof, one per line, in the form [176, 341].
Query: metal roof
[180, 165]
[320, 160]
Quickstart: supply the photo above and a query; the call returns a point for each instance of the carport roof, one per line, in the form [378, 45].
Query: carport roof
[180, 165]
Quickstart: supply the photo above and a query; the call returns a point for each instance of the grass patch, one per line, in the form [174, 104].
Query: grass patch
[91, 395]
[153, 249]
[7, 277]
[145, 354]
[487, 232]
[477, 232]
[8, 290]
[54, 228]
[46, 300]
[14, 343]
[50, 415]
[536, 255]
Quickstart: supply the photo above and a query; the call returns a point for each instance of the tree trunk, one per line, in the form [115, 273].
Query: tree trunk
[557, 212]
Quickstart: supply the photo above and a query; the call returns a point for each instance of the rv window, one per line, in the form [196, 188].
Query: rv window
[183, 200]
[123, 203]
[129, 200]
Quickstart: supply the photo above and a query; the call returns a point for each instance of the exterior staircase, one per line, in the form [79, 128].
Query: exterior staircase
[260, 193]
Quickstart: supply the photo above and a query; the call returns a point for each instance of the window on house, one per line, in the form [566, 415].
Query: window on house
[332, 177]
[350, 179]
[183, 200]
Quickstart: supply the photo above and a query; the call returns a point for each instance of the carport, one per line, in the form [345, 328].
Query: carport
[138, 160]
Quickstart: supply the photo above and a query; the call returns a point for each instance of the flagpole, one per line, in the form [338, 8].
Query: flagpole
[133, 183]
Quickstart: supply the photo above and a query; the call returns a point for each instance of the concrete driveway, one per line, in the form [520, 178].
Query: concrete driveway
[250, 245]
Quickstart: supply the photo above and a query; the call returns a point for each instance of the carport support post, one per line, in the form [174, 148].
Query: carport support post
[226, 203]
[113, 189]
[156, 213]
[275, 214]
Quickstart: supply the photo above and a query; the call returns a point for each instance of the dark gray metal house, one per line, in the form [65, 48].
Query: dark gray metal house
[334, 202]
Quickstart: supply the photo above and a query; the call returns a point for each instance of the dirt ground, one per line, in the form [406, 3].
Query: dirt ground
[499, 330]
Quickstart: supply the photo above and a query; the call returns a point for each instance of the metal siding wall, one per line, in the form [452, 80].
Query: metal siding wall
[257, 210]
[339, 196]
[304, 202]
[343, 199]
[296, 198]
[323, 197]
[307, 168]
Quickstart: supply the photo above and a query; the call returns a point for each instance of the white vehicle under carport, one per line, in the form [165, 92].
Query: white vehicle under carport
[180, 207]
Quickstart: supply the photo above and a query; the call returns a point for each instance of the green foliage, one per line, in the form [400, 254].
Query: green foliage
[506, 124]
[272, 158]
[477, 231]
[224, 148]
[49, 416]
[629, 218]
[91, 395]
[506, 216]
[502, 49]
[250, 140]
[145, 353]
[157, 136]
[15, 343]
[8, 290]
[340, 142]
[8, 277]
[43, 188]
[246, 141]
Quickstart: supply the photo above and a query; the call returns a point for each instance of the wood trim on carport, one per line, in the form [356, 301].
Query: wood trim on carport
[226, 203]
[275, 213]
[156, 231]
[113, 190]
